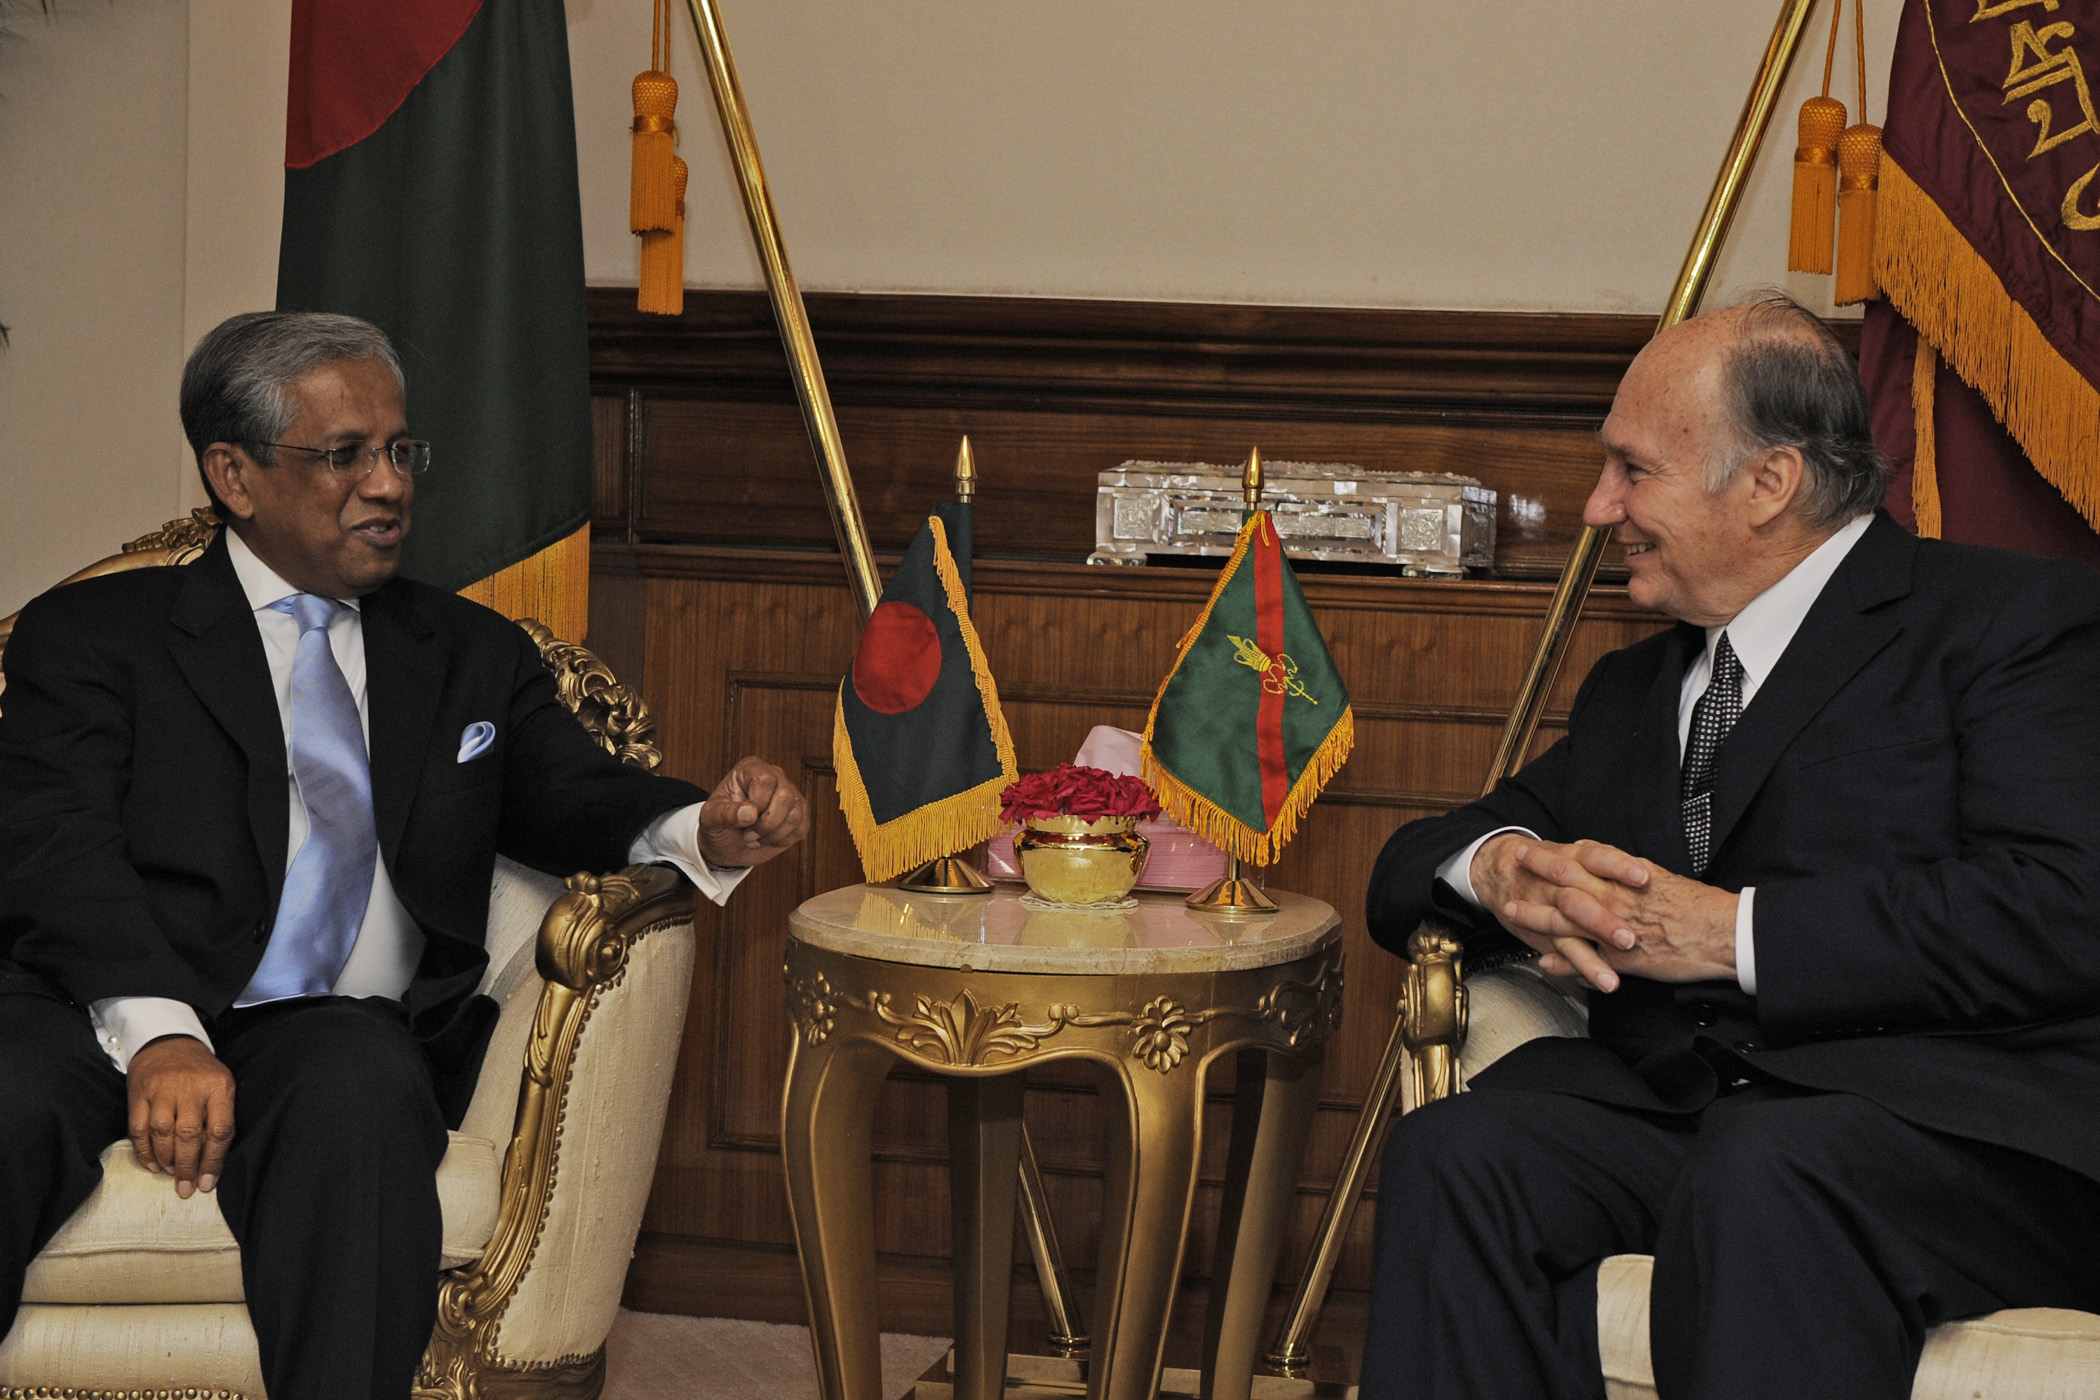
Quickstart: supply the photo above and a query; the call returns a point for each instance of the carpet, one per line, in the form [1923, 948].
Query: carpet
[664, 1356]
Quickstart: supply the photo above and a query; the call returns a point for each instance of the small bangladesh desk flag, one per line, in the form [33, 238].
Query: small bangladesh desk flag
[1253, 719]
[920, 743]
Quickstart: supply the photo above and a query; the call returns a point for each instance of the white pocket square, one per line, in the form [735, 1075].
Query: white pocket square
[476, 738]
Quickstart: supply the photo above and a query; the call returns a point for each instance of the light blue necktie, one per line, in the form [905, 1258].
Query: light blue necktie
[330, 882]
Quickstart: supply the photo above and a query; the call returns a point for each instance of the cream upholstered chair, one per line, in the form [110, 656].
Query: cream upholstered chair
[1459, 1025]
[139, 1295]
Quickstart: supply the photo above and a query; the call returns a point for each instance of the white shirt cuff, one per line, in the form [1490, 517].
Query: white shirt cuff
[1457, 872]
[674, 839]
[1745, 945]
[126, 1025]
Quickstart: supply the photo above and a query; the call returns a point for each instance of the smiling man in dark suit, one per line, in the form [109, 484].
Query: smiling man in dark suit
[1828, 855]
[249, 814]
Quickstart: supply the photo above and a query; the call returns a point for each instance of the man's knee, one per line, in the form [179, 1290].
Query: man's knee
[1461, 1141]
[54, 1079]
[1783, 1154]
[343, 1074]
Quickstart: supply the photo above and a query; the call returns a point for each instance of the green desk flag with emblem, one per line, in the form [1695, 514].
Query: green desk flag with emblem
[1253, 719]
[920, 744]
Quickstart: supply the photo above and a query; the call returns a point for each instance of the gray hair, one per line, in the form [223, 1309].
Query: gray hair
[236, 386]
[1790, 383]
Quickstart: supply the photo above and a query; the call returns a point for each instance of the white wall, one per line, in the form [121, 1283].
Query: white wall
[141, 187]
[1532, 155]
[91, 211]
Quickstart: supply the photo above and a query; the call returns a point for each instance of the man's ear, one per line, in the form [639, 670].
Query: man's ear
[226, 467]
[1776, 477]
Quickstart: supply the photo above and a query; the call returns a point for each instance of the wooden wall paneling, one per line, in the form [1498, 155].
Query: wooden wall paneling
[1053, 391]
[739, 651]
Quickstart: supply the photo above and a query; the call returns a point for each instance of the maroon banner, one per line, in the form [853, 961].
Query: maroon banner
[1987, 241]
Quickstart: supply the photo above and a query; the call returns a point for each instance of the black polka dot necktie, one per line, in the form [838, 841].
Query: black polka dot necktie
[1712, 718]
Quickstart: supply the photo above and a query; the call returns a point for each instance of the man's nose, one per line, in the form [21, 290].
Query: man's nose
[1604, 509]
[385, 482]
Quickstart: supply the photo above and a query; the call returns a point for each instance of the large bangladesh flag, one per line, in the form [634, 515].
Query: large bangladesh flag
[1253, 719]
[920, 744]
[430, 188]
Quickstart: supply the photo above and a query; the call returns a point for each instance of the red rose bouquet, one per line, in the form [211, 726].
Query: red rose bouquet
[1068, 790]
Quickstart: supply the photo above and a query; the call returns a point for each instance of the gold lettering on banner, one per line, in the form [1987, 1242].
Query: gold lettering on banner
[1986, 10]
[2034, 67]
[2073, 216]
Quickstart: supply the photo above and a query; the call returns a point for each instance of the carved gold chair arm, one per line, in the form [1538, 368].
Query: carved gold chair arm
[582, 952]
[1433, 1011]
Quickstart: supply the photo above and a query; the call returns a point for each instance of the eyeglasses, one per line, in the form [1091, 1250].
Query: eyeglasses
[353, 462]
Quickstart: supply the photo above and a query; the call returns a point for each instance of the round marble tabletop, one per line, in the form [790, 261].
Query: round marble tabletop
[1005, 932]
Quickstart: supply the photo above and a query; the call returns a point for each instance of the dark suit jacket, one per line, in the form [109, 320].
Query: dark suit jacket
[143, 807]
[1915, 794]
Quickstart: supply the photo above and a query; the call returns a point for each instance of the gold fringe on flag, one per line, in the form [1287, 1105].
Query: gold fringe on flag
[1945, 289]
[1228, 833]
[1924, 462]
[1201, 815]
[955, 823]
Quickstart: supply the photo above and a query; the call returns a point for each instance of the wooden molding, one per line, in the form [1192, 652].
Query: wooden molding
[1237, 360]
[699, 440]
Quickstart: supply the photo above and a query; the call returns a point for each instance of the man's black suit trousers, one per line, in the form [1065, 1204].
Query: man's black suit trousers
[1804, 1244]
[330, 1186]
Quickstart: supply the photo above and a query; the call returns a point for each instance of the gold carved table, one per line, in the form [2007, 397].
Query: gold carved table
[977, 989]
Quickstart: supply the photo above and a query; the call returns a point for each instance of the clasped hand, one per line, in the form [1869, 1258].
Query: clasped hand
[1595, 912]
[752, 815]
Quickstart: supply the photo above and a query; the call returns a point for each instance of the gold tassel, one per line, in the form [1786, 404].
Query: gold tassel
[663, 256]
[1815, 185]
[1945, 288]
[651, 205]
[1924, 462]
[1815, 169]
[1859, 160]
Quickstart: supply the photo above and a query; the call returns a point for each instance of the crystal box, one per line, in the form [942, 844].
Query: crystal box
[1422, 523]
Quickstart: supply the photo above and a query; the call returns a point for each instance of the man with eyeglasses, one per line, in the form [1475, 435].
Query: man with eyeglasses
[249, 814]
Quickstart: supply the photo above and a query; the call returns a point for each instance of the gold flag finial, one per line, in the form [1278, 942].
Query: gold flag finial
[1250, 479]
[965, 472]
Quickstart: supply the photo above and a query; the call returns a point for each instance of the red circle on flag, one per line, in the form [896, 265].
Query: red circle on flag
[899, 659]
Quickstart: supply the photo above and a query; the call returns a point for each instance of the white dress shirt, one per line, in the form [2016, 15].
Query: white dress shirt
[1759, 634]
[389, 945]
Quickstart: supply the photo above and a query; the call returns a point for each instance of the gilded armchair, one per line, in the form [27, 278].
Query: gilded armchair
[139, 1295]
[1455, 1026]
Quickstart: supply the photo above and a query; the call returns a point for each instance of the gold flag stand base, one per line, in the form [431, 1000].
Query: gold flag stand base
[948, 875]
[1058, 1378]
[1232, 894]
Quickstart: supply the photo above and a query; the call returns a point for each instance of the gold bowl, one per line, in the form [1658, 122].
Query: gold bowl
[1081, 860]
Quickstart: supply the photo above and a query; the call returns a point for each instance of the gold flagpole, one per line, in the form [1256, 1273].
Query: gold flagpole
[823, 426]
[788, 310]
[1292, 1350]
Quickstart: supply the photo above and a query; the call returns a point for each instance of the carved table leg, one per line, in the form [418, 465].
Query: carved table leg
[984, 1153]
[827, 1124]
[1272, 1117]
[1153, 1145]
